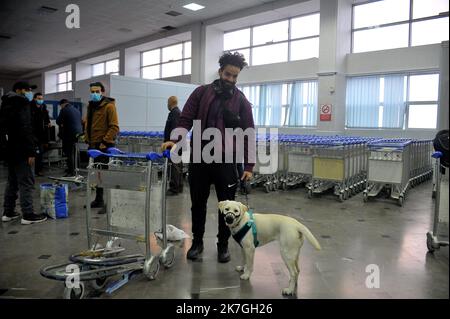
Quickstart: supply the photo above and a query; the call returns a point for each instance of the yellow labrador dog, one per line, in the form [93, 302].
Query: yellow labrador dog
[269, 227]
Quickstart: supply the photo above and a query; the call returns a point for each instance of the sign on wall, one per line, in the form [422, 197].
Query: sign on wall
[325, 112]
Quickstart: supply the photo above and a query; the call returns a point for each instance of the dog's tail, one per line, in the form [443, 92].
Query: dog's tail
[306, 232]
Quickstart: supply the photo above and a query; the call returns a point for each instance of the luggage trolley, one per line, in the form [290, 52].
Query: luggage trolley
[299, 161]
[433, 242]
[130, 172]
[337, 165]
[389, 168]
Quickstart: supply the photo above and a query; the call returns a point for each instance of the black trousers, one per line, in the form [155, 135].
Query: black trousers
[38, 165]
[20, 180]
[176, 177]
[201, 176]
[68, 148]
[104, 160]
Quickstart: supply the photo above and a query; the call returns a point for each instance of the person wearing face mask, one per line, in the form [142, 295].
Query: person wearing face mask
[69, 122]
[101, 129]
[16, 125]
[41, 123]
[217, 105]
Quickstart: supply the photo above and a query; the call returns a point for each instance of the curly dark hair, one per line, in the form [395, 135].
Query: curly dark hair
[236, 59]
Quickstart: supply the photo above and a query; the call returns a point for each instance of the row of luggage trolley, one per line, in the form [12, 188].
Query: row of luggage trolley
[344, 164]
[396, 165]
[135, 186]
[319, 162]
[140, 141]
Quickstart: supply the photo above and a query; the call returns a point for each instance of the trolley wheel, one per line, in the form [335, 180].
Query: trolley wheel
[267, 188]
[168, 256]
[151, 268]
[430, 247]
[310, 193]
[99, 283]
[400, 200]
[365, 197]
[346, 194]
[74, 293]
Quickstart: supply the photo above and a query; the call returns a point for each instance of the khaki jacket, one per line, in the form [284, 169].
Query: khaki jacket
[103, 123]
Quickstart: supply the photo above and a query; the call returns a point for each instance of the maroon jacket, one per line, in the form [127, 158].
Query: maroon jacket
[196, 108]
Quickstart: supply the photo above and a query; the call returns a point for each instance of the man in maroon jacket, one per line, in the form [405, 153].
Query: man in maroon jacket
[217, 105]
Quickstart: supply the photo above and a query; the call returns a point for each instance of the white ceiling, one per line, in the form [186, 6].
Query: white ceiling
[40, 40]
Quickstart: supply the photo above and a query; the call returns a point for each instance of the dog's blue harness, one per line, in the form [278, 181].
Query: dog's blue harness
[243, 231]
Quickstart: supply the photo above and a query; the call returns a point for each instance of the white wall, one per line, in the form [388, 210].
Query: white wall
[303, 69]
[443, 89]
[213, 50]
[142, 104]
[420, 58]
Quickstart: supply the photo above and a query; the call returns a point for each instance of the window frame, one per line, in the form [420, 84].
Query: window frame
[288, 41]
[286, 107]
[410, 22]
[407, 101]
[160, 64]
[65, 83]
[104, 67]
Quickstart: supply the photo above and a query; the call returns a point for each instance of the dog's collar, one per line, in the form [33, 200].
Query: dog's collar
[239, 235]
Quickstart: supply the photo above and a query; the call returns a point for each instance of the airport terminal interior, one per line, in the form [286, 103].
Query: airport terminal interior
[115, 179]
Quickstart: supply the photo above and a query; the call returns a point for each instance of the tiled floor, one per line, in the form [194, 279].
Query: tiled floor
[353, 235]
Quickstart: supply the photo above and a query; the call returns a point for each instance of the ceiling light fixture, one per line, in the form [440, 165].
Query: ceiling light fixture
[193, 6]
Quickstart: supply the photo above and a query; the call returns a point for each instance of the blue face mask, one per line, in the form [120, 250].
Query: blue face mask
[39, 102]
[29, 96]
[96, 97]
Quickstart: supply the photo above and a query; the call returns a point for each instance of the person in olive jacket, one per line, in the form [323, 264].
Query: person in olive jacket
[102, 127]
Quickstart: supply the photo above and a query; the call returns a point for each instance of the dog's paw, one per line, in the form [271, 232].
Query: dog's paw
[239, 268]
[245, 276]
[288, 292]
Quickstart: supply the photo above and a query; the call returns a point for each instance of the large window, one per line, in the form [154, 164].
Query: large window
[64, 81]
[396, 101]
[389, 24]
[106, 67]
[282, 41]
[164, 62]
[283, 104]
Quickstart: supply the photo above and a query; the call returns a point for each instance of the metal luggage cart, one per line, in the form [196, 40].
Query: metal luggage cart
[299, 161]
[79, 180]
[389, 168]
[433, 241]
[396, 165]
[141, 174]
[337, 164]
[421, 164]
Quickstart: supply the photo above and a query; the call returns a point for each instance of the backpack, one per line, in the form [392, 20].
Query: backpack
[441, 144]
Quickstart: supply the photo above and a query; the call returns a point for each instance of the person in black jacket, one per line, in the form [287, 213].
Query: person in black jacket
[15, 124]
[69, 121]
[41, 122]
[176, 170]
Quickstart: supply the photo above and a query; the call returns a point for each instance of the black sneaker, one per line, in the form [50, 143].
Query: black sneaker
[223, 255]
[195, 250]
[7, 217]
[33, 219]
[102, 211]
[97, 204]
